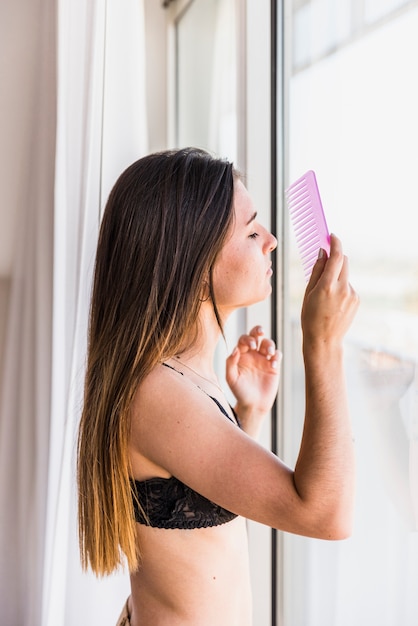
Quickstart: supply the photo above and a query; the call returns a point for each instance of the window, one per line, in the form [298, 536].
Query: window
[352, 118]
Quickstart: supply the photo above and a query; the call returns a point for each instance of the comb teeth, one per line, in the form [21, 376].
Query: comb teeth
[307, 215]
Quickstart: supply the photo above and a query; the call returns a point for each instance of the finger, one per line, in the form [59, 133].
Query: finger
[276, 360]
[233, 358]
[267, 347]
[247, 342]
[343, 277]
[335, 244]
[336, 258]
[317, 269]
[257, 332]
[232, 365]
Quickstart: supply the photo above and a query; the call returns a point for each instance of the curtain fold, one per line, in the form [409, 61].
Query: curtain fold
[101, 129]
[25, 391]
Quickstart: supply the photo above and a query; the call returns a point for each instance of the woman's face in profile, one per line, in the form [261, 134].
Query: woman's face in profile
[242, 272]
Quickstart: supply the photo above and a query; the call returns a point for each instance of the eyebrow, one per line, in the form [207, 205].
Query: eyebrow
[252, 218]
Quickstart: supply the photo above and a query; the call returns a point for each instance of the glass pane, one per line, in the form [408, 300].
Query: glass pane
[376, 9]
[353, 104]
[206, 84]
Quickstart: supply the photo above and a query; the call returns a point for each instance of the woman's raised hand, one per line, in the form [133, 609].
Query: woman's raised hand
[330, 302]
[253, 372]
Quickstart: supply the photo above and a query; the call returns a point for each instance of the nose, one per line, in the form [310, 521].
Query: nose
[270, 243]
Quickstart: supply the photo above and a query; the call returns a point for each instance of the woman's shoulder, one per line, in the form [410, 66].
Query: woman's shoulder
[160, 389]
[170, 412]
[164, 395]
[162, 382]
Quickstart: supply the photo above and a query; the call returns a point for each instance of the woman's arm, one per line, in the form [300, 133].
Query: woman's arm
[179, 429]
[326, 454]
[324, 472]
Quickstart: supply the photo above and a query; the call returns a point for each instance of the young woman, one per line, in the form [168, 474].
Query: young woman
[167, 470]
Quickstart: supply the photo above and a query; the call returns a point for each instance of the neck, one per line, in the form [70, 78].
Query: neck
[201, 354]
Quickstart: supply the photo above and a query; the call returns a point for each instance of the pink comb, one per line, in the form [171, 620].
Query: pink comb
[308, 219]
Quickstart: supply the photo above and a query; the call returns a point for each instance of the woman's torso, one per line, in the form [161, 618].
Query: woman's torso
[196, 577]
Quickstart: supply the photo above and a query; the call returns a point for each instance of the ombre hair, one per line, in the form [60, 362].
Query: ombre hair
[166, 219]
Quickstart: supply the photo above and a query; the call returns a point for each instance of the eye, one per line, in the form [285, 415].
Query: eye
[253, 235]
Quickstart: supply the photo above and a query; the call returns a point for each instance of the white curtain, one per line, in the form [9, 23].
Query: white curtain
[25, 383]
[101, 129]
[89, 123]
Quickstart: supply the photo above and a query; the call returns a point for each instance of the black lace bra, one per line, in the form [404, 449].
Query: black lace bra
[169, 503]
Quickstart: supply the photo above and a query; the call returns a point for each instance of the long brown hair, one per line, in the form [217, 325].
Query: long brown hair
[165, 221]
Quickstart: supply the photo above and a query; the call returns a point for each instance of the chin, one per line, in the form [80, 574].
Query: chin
[230, 306]
[260, 298]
